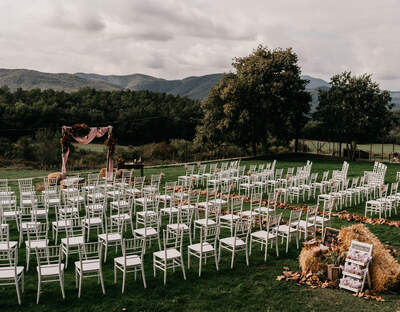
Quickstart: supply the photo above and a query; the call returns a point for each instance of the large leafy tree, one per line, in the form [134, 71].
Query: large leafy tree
[354, 110]
[263, 98]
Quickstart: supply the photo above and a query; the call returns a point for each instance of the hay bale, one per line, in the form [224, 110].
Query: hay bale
[310, 260]
[119, 173]
[39, 187]
[55, 175]
[103, 172]
[385, 270]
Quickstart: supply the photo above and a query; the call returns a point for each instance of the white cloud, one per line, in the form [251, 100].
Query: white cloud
[174, 39]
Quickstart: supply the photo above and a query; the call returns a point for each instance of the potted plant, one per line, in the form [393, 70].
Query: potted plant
[333, 261]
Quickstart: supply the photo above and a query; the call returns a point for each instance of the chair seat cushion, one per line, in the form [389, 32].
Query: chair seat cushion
[204, 222]
[110, 237]
[177, 226]
[285, 229]
[62, 223]
[263, 235]
[88, 265]
[41, 243]
[303, 223]
[319, 219]
[207, 247]
[164, 197]
[171, 210]
[9, 214]
[248, 213]
[148, 231]
[131, 260]
[264, 210]
[5, 245]
[50, 269]
[8, 272]
[172, 253]
[229, 217]
[230, 241]
[148, 213]
[73, 241]
[93, 221]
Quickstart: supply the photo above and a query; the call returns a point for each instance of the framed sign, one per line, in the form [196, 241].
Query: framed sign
[330, 235]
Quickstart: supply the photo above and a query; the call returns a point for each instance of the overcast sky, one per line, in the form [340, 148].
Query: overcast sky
[175, 39]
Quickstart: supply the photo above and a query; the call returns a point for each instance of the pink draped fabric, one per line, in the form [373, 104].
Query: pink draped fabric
[93, 133]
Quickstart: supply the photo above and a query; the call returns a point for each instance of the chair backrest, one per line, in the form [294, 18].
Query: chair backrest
[90, 251]
[278, 173]
[209, 234]
[172, 239]
[49, 255]
[37, 232]
[9, 258]
[273, 221]
[8, 203]
[295, 216]
[236, 205]
[49, 182]
[133, 246]
[202, 169]
[253, 168]
[4, 232]
[169, 188]
[290, 172]
[312, 213]
[3, 186]
[25, 183]
[393, 188]
[242, 230]
[212, 168]
[185, 216]
[325, 175]
[75, 229]
[93, 179]
[138, 182]
[256, 199]
[114, 227]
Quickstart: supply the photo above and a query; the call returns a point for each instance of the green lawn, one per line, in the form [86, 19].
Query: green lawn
[252, 288]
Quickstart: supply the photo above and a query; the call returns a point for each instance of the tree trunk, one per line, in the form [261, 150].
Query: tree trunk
[296, 144]
[340, 150]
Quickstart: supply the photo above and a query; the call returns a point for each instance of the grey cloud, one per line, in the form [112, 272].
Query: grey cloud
[174, 38]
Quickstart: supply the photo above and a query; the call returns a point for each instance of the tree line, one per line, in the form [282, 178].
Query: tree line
[138, 117]
[262, 102]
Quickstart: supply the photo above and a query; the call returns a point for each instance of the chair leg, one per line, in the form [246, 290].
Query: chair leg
[216, 260]
[200, 263]
[38, 290]
[61, 277]
[123, 279]
[143, 276]
[102, 283]
[233, 258]
[183, 268]
[247, 256]
[115, 273]
[80, 285]
[18, 293]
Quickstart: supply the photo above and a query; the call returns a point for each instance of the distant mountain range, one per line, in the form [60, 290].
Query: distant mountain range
[195, 87]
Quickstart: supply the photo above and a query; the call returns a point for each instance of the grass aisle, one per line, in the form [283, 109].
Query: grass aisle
[252, 288]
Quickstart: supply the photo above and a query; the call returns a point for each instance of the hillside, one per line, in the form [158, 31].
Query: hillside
[31, 79]
[195, 87]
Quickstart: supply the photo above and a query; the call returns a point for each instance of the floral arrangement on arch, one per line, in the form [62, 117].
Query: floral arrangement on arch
[82, 130]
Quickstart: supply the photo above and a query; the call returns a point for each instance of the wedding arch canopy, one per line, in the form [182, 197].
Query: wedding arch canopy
[83, 134]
